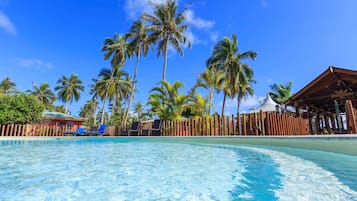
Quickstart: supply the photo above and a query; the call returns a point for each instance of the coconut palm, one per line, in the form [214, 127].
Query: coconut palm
[281, 93]
[166, 102]
[7, 86]
[69, 89]
[139, 110]
[211, 80]
[167, 27]
[112, 85]
[116, 48]
[43, 93]
[88, 111]
[140, 42]
[227, 57]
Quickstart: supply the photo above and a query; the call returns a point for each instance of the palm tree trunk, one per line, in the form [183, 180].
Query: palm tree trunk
[222, 115]
[66, 109]
[103, 108]
[165, 59]
[94, 118]
[125, 119]
[238, 114]
[210, 101]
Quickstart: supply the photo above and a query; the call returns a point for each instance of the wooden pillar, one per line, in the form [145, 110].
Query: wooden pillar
[351, 118]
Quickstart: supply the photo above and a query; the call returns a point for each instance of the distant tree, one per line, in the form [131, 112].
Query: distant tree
[139, 110]
[43, 93]
[69, 89]
[168, 28]
[281, 93]
[7, 86]
[211, 80]
[227, 57]
[88, 111]
[20, 109]
[112, 85]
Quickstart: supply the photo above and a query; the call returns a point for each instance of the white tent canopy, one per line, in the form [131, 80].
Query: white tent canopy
[267, 106]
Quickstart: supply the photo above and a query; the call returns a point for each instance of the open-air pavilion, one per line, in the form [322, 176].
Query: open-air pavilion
[329, 102]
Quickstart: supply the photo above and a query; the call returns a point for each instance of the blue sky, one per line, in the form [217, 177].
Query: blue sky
[295, 40]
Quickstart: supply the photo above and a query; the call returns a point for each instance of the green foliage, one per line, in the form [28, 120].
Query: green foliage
[20, 109]
[166, 102]
[168, 28]
[7, 86]
[281, 93]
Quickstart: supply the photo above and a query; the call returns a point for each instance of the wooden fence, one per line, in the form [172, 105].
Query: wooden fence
[263, 123]
[33, 130]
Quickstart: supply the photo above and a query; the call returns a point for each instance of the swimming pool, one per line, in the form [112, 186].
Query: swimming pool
[176, 169]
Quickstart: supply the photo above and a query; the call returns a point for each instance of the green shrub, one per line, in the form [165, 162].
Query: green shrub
[20, 109]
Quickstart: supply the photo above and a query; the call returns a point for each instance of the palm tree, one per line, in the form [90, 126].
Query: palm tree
[7, 86]
[281, 93]
[112, 85]
[166, 102]
[88, 111]
[69, 89]
[117, 49]
[139, 44]
[242, 83]
[226, 56]
[139, 110]
[167, 26]
[43, 93]
[211, 80]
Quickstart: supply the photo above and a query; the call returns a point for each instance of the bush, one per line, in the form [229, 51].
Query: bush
[20, 109]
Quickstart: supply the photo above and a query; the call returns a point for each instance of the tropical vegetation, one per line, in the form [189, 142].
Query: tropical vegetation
[113, 89]
[20, 109]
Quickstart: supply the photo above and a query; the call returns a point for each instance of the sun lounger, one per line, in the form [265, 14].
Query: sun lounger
[100, 130]
[155, 129]
[79, 131]
[135, 128]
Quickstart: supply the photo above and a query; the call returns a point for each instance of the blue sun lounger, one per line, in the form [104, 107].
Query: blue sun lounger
[79, 131]
[100, 131]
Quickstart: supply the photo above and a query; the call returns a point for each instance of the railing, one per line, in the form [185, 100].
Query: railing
[33, 130]
[263, 123]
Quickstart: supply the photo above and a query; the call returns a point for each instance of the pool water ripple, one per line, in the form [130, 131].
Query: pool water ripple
[132, 169]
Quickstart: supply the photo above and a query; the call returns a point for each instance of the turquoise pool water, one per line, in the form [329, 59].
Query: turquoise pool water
[172, 169]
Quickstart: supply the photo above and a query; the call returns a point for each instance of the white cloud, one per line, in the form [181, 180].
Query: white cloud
[192, 38]
[196, 21]
[6, 24]
[33, 63]
[135, 8]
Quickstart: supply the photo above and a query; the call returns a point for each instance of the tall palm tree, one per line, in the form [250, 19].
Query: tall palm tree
[112, 85]
[281, 93]
[167, 26]
[69, 89]
[43, 93]
[7, 86]
[211, 80]
[140, 42]
[227, 57]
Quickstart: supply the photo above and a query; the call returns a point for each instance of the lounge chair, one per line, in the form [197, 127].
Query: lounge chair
[79, 131]
[155, 129]
[100, 130]
[135, 128]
